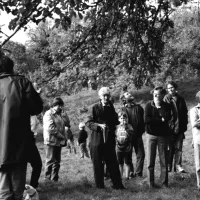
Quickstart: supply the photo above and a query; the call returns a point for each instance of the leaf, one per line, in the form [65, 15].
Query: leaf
[57, 11]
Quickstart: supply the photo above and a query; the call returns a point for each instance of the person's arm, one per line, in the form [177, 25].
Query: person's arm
[48, 124]
[148, 116]
[32, 99]
[194, 118]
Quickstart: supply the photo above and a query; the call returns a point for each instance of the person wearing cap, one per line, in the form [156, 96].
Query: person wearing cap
[158, 120]
[102, 122]
[54, 138]
[180, 126]
[18, 101]
[135, 114]
[82, 140]
[195, 122]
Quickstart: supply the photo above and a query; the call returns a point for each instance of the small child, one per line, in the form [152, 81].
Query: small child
[70, 140]
[124, 134]
[82, 140]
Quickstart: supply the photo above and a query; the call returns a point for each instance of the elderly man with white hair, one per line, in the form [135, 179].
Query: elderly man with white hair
[102, 122]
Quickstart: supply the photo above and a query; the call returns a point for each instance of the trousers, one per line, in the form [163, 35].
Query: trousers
[12, 182]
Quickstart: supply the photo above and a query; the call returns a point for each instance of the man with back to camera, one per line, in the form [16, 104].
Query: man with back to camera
[179, 109]
[102, 122]
[18, 100]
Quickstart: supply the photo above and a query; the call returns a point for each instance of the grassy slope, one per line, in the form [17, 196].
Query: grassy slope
[76, 176]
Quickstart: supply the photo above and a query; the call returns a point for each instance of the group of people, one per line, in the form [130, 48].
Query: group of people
[113, 134]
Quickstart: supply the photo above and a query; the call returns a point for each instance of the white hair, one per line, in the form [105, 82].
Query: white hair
[104, 90]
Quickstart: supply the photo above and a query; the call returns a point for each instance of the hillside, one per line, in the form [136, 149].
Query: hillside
[76, 175]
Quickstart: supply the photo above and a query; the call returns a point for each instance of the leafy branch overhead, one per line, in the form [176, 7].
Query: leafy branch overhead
[122, 34]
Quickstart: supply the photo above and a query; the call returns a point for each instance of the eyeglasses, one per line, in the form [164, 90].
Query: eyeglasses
[170, 88]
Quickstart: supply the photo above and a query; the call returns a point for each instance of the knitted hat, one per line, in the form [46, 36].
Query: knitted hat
[57, 101]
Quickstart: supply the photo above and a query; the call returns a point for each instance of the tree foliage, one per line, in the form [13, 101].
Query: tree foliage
[114, 36]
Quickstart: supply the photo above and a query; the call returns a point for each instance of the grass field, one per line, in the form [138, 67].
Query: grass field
[76, 175]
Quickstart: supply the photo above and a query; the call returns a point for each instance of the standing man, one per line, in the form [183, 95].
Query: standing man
[135, 115]
[157, 118]
[18, 100]
[195, 122]
[103, 123]
[54, 139]
[180, 126]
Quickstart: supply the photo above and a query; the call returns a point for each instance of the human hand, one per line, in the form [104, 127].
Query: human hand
[103, 126]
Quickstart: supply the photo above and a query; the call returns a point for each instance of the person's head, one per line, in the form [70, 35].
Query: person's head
[125, 88]
[104, 95]
[6, 65]
[171, 87]
[198, 97]
[122, 117]
[158, 94]
[128, 97]
[81, 126]
[57, 104]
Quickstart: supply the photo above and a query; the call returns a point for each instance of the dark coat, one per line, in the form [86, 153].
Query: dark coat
[103, 115]
[18, 101]
[136, 119]
[180, 113]
[153, 119]
[82, 136]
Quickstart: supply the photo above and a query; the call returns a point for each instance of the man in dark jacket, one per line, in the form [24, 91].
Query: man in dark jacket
[18, 101]
[135, 114]
[157, 118]
[180, 126]
[102, 122]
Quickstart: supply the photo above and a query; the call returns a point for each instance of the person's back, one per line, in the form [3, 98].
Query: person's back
[18, 100]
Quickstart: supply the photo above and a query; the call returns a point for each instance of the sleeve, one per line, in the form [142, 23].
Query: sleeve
[194, 118]
[186, 113]
[33, 99]
[91, 121]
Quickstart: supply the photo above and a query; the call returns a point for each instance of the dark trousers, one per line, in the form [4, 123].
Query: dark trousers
[138, 145]
[36, 164]
[175, 151]
[105, 153]
[52, 164]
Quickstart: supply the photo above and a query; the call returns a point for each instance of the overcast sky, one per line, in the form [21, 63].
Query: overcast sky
[20, 36]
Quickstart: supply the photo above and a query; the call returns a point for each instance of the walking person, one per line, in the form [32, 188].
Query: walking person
[195, 122]
[135, 114]
[18, 101]
[54, 139]
[157, 118]
[102, 122]
[180, 126]
[82, 140]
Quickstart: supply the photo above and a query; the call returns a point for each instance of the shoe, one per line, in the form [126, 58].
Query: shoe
[121, 187]
[132, 175]
[180, 169]
[39, 189]
[165, 186]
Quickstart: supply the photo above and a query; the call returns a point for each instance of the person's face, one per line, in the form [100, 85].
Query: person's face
[157, 96]
[104, 98]
[123, 119]
[171, 89]
[58, 108]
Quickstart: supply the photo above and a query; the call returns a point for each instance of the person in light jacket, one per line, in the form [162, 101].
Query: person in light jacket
[195, 122]
[54, 138]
